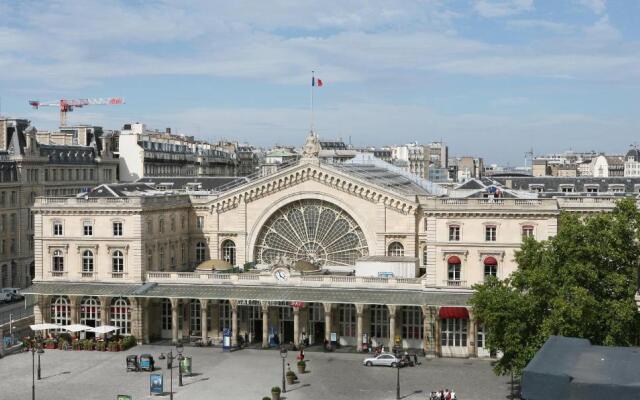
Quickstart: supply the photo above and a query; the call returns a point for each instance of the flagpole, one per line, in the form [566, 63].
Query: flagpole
[313, 82]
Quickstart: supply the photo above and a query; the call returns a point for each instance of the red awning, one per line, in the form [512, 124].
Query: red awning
[490, 261]
[453, 312]
[454, 260]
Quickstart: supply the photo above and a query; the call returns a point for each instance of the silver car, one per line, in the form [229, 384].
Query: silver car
[384, 359]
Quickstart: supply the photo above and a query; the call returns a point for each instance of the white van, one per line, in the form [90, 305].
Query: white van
[6, 297]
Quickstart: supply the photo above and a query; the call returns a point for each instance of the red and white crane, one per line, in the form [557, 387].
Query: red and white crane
[68, 105]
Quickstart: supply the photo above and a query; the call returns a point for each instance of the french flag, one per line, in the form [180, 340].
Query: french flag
[316, 82]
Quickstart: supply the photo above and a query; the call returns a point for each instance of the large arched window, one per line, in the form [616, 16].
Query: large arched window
[58, 261]
[117, 262]
[201, 251]
[60, 310]
[121, 315]
[229, 251]
[87, 261]
[490, 266]
[396, 249]
[90, 311]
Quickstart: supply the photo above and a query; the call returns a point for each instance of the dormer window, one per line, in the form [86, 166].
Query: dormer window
[536, 187]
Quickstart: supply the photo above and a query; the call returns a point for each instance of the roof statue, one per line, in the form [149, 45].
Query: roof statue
[311, 148]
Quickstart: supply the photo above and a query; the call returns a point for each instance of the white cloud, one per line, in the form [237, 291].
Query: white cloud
[602, 31]
[502, 8]
[535, 24]
[597, 6]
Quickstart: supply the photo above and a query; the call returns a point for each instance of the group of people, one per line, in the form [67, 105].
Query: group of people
[445, 394]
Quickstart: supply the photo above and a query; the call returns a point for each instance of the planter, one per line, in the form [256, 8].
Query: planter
[291, 379]
[275, 395]
[301, 369]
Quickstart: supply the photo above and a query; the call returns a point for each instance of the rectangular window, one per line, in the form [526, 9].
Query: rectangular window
[454, 233]
[3, 198]
[117, 229]
[12, 247]
[490, 270]
[199, 222]
[14, 198]
[566, 189]
[453, 272]
[453, 332]
[57, 229]
[527, 231]
[14, 225]
[412, 323]
[173, 224]
[591, 189]
[161, 226]
[490, 233]
[87, 229]
[379, 321]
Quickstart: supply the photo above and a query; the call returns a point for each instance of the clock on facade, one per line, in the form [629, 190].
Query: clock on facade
[281, 274]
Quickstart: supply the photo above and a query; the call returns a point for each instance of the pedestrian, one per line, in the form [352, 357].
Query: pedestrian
[447, 394]
[453, 395]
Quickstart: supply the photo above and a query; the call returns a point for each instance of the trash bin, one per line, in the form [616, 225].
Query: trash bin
[185, 365]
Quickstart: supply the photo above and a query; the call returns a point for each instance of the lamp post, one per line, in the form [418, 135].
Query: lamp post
[35, 348]
[40, 352]
[397, 353]
[170, 357]
[283, 354]
[179, 349]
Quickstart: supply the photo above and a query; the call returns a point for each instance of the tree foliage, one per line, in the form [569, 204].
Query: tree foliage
[580, 283]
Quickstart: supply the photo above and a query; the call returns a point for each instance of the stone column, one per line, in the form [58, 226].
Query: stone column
[392, 326]
[104, 310]
[136, 318]
[438, 339]
[327, 321]
[146, 305]
[296, 326]
[359, 326]
[471, 337]
[204, 305]
[234, 322]
[73, 300]
[265, 324]
[175, 303]
[38, 310]
[427, 338]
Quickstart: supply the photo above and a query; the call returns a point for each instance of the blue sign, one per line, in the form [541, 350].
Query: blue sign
[155, 382]
[385, 274]
[226, 339]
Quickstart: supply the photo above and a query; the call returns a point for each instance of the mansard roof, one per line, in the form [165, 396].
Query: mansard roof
[554, 184]
[65, 154]
[208, 183]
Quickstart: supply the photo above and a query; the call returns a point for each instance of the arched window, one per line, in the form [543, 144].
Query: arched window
[396, 249]
[60, 310]
[121, 315]
[87, 261]
[453, 271]
[117, 262]
[201, 251]
[229, 251]
[58, 261]
[90, 311]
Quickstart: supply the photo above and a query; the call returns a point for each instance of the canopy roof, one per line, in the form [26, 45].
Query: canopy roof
[43, 327]
[214, 265]
[76, 327]
[103, 329]
[571, 368]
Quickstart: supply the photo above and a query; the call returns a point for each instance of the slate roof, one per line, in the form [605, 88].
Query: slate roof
[552, 184]
[572, 368]
[181, 182]
[387, 259]
[383, 177]
[434, 297]
[63, 154]
[121, 190]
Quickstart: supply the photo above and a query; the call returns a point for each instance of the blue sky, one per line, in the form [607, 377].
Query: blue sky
[491, 78]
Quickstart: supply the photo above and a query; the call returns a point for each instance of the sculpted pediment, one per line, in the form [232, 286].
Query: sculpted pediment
[325, 175]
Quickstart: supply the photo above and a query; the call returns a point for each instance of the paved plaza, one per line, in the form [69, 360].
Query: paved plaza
[245, 374]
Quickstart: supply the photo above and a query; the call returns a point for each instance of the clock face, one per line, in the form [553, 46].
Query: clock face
[281, 274]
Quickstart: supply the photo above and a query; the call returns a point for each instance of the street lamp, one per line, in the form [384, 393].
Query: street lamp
[35, 348]
[397, 353]
[170, 357]
[283, 354]
[179, 349]
[40, 352]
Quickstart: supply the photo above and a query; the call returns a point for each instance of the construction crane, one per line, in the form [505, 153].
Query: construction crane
[66, 105]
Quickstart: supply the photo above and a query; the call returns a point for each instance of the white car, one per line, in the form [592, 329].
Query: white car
[384, 359]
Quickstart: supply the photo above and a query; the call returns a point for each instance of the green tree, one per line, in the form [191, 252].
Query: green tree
[580, 283]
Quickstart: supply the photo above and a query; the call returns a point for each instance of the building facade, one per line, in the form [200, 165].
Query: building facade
[63, 164]
[306, 238]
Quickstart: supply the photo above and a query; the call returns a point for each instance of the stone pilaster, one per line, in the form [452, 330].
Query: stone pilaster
[204, 305]
[105, 302]
[296, 326]
[145, 309]
[175, 303]
[327, 321]
[75, 309]
[360, 326]
[438, 339]
[428, 345]
[265, 324]
[234, 322]
[392, 325]
[136, 318]
[471, 338]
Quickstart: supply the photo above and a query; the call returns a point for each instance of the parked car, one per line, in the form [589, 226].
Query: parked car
[384, 359]
[6, 297]
[13, 292]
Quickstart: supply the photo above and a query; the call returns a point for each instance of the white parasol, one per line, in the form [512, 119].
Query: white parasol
[103, 329]
[43, 327]
[76, 327]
